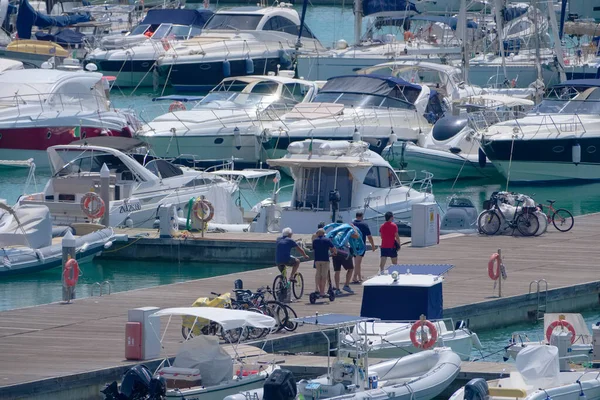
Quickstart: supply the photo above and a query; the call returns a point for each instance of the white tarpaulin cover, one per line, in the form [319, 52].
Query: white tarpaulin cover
[538, 365]
[35, 229]
[228, 319]
[205, 354]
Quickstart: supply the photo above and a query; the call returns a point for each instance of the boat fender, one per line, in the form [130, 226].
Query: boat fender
[92, 205]
[576, 153]
[203, 210]
[71, 272]
[424, 342]
[494, 273]
[563, 324]
[226, 69]
[476, 342]
[177, 106]
[249, 66]
[482, 158]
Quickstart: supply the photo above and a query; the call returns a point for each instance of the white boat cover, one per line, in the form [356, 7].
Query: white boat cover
[228, 319]
[205, 354]
[538, 365]
[28, 225]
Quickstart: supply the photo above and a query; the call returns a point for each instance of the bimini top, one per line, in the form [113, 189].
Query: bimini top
[177, 16]
[452, 22]
[228, 319]
[581, 83]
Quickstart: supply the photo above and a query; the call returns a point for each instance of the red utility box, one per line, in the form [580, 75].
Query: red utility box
[133, 341]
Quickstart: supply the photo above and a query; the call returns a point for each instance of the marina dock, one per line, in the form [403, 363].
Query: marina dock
[54, 347]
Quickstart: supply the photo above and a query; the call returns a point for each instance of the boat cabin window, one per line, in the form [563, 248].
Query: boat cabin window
[267, 87]
[242, 22]
[163, 169]
[295, 91]
[93, 163]
[81, 95]
[281, 24]
[586, 101]
[170, 31]
[140, 29]
[312, 191]
[361, 100]
[381, 177]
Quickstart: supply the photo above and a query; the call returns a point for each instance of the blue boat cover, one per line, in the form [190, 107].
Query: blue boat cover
[371, 84]
[177, 97]
[396, 302]
[421, 269]
[371, 7]
[333, 320]
[177, 16]
[450, 21]
[67, 37]
[28, 17]
[514, 12]
[578, 83]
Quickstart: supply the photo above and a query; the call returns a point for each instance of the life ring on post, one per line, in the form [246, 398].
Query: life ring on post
[494, 273]
[423, 344]
[92, 205]
[71, 272]
[563, 324]
[177, 106]
[203, 210]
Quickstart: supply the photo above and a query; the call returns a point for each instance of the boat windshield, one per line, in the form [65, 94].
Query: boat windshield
[568, 102]
[235, 93]
[140, 29]
[89, 162]
[241, 22]
[362, 100]
[178, 32]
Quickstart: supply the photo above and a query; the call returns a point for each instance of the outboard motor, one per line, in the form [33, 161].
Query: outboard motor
[476, 389]
[135, 385]
[280, 385]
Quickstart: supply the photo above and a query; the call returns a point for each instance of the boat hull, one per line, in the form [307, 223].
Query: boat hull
[220, 391]
[136, 73]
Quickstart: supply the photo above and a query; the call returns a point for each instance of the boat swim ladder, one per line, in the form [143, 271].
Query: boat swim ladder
[101, 288]
[541, 289]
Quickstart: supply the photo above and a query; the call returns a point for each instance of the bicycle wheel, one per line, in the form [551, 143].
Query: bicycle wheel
[234, 335]
[528, 224]
[563, 220]
[279, 287]
[277, 310]
[186, 333]
[290, 325]
[298, 286]
[256, 333]
[488, 222]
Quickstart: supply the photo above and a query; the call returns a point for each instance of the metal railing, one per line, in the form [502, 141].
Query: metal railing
[101, 288]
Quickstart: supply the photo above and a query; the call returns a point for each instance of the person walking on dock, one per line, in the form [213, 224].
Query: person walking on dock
[363, 227]
[321, 247]
[283, 252]
[342, 259]
[390, 241]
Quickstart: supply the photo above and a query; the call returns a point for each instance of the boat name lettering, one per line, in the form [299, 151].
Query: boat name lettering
[130, 207]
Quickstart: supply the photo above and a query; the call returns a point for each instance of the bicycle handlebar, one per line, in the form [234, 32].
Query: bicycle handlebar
[216, 294]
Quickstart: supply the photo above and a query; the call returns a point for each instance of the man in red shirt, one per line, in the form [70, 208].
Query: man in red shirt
[390, 240]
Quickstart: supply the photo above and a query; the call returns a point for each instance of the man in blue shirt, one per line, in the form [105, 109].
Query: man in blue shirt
[363, 227]
[283, 252]
[321, 247]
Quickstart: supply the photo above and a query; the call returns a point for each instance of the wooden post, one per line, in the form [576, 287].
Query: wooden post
[500, 273]
[69, 245]
[105, 194]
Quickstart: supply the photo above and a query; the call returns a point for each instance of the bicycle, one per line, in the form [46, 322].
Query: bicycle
[282, 313]
[561, 219]
[197, 326]
[524, 221]
[281, 284]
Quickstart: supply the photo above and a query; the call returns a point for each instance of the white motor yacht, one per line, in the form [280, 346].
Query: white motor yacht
[341, 176]
[236, 42]
[40, 108]
[452, 149]
[139, 184]
[227, 123]
[375, 109]
[556, 141]
[132, 57]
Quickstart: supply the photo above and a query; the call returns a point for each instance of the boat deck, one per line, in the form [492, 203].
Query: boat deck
[56, 340]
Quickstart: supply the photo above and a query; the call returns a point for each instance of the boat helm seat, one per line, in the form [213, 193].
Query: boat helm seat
[551, 201]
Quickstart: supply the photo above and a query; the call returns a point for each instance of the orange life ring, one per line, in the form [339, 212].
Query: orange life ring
[177, 106]
[494, 274]
[563, 324]
[71, 272]
[92, 205]
[427, 343]
[203, 210]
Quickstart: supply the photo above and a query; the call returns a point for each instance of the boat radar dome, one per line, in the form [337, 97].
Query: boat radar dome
[91, 67]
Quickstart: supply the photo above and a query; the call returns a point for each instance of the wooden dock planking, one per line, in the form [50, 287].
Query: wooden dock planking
[56, 340]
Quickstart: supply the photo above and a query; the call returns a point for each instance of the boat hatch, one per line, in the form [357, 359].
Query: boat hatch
[315, 184]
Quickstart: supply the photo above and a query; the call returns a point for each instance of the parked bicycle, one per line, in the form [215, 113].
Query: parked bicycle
[282, 313]
[524, 219]
[561, 219]
[192, 326]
